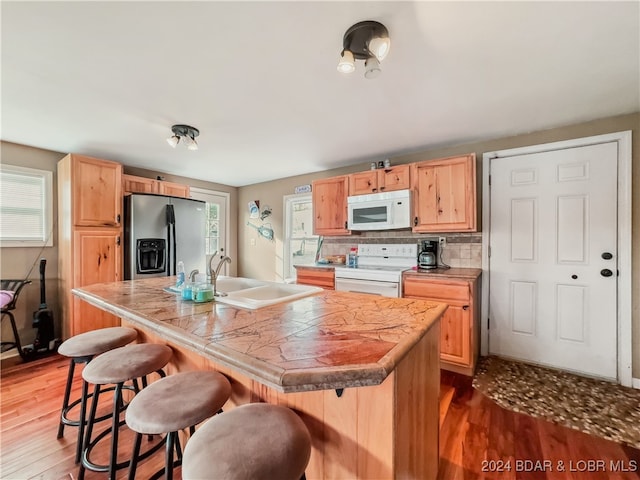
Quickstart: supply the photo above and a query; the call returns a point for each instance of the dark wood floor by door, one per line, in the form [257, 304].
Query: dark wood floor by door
[478, 439]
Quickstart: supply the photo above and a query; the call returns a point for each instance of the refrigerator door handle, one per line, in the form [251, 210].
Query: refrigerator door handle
[171, 240]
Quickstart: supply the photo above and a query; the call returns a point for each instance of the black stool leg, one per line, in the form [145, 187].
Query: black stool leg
[67, 394]
[83, 419]
[87, 438]
[134, 458]
[113, 458]
[168, 466]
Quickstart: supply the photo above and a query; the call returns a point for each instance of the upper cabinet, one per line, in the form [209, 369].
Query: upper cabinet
[134, 184]
[444, 194]
[329, 198]
[97, 191]
[381, 180]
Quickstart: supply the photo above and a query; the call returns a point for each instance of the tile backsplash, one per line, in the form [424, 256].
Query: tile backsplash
[462, 250]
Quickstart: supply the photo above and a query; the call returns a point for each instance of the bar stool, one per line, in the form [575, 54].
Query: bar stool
[117, 366]
[172, 404]
[81, 349]
[258, 441]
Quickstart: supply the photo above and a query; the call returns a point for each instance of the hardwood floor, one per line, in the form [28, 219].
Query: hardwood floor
[475, 435]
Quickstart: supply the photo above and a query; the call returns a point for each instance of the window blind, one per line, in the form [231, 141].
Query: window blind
[25, 205]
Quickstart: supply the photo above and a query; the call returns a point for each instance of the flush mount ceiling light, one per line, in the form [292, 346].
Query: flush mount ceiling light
[368, 41]
[185, 133]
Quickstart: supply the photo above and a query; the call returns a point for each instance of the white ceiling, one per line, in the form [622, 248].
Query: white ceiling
[259, 79]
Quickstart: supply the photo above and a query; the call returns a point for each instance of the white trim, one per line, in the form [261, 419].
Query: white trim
[624, 320]
[636, 383]
[286, 241]
[227, 212]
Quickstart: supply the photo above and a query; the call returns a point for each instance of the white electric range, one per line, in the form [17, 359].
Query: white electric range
[379, 270]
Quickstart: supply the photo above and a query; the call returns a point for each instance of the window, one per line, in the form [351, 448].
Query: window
[26, 207]
[300, 244]
[217, 213]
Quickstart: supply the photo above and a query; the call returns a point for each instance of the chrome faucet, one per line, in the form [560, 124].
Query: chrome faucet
[192, 275]
[213, 273]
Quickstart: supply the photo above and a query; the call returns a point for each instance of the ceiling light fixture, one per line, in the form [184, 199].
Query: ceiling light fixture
[185, 133]
[368, 41]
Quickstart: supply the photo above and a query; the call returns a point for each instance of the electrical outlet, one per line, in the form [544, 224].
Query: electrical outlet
[252, 242]
[442, 241]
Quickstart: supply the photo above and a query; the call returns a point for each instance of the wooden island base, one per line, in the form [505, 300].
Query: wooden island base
[375, 432]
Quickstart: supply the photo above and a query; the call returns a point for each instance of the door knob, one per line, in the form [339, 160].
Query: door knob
[574, 276]
[607, 256]
[605, 272]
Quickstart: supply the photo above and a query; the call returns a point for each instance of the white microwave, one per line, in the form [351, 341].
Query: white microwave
[380, 211]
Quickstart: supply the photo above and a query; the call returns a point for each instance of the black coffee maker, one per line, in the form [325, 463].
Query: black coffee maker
[428, 256]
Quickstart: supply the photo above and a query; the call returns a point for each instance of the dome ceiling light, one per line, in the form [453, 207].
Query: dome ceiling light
[368, 41]
[185, 133]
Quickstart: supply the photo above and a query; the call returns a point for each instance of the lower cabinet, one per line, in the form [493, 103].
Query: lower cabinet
[459, 340]
[97, 257]
[318, 277]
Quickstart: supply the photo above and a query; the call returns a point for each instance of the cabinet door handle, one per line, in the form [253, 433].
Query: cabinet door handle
[118, 218]
[415, 221]
[382, 188]
[465, 307]
[118, 241]
[345, 224]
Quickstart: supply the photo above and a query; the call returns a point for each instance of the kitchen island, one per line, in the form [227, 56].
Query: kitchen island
[361, 371]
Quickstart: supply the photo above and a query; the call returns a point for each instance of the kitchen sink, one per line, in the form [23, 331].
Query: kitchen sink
[231, 284]
[268, 293]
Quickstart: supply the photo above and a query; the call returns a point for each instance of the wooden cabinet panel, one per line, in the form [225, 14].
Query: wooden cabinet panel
[329, 198]
[363, 182]
[317, 278]
[173, 189]
[394, 178]
[97, 258]
[97, 191]
[381, 180]
[133, 184]
[444, 197]
[458, 342]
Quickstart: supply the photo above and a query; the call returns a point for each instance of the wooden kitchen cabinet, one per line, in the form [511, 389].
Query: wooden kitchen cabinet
[315, 276]
[89, 236]
[135, 184]
[97, 194]
[380, 180]
[459, 340]
[97, 259]
[329, 197]
[444, 194]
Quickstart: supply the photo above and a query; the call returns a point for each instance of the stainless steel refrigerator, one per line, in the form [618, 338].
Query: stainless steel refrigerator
[159, 232]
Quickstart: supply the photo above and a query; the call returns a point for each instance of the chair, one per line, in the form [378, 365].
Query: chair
[172, 404]
[16, 287]
[257, 441]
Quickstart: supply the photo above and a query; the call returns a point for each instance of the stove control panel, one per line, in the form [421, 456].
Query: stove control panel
[398, 250]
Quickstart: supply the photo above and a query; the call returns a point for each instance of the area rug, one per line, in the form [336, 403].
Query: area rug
[592, 406]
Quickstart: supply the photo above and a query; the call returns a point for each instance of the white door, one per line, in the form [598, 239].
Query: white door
[553, 258]
[216, 229]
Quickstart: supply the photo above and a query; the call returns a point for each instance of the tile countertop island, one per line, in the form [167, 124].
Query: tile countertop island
[361, 371]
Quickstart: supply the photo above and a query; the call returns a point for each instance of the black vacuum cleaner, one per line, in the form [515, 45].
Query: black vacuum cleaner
[43, 318]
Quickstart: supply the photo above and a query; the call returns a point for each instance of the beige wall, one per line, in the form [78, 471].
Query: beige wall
[264, 260]
[15, 262]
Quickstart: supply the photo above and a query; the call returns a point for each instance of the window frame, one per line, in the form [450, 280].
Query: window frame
[47, 211]
[288, 201]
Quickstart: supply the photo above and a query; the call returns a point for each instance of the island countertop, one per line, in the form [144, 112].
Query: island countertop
[324, 341]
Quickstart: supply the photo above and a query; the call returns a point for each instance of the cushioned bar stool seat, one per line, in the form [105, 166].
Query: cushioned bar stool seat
[81, 349]
[172, 404]
[257, 441]
[118, 366]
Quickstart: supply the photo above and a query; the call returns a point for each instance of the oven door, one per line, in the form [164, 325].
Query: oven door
[385, 289]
